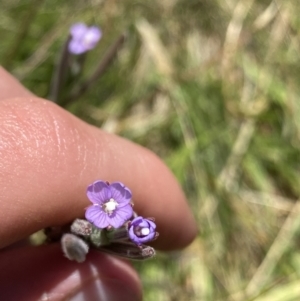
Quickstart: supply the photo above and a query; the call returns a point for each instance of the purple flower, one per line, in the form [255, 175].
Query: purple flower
[84, 38]
[111, 204]
[141, 230]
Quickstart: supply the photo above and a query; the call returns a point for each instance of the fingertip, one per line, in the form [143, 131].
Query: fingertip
[51, 157]
[10, 87]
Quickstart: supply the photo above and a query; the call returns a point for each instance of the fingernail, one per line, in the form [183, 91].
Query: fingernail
[100, 278]
[109, 279]
[105, 290]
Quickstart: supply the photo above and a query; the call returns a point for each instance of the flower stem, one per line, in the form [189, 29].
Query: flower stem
[60, 72]
[101, 68]
[117, 235]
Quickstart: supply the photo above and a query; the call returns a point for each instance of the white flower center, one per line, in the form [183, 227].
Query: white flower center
[88, 39]
[110, 206]
[145, 231]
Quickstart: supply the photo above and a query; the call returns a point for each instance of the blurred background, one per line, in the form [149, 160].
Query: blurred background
[212, 87]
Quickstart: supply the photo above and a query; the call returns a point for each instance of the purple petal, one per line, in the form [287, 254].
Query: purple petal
[95, 215]
[120, 216]
[76, 47]
[132, 236]
[98, 192]
[92, 36]
[136, 221]
[120, 193]
[78, 30]
[151, 224]
[144, 224]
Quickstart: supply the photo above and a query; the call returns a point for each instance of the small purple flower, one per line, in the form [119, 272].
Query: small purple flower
[84, 38]
[111, 204]
[141, 230]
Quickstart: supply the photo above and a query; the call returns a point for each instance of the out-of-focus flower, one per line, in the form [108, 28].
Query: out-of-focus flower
[83, 38]
[142, 230]
[111, 204]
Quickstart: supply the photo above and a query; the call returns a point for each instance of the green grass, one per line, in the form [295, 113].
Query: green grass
[213, 88]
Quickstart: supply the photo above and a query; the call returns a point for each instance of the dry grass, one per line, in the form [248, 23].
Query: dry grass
[213, 88]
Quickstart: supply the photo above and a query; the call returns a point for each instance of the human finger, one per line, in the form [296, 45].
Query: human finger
[48, 159]
[41, 273]
[10, 87]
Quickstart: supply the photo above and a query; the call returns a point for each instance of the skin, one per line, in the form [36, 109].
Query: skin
[48, 158]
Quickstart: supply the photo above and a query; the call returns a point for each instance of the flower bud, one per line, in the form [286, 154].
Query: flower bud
[82, 227]
[74, 247]
[142, 230]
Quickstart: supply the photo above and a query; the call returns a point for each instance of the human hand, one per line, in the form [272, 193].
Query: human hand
[48, 158]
